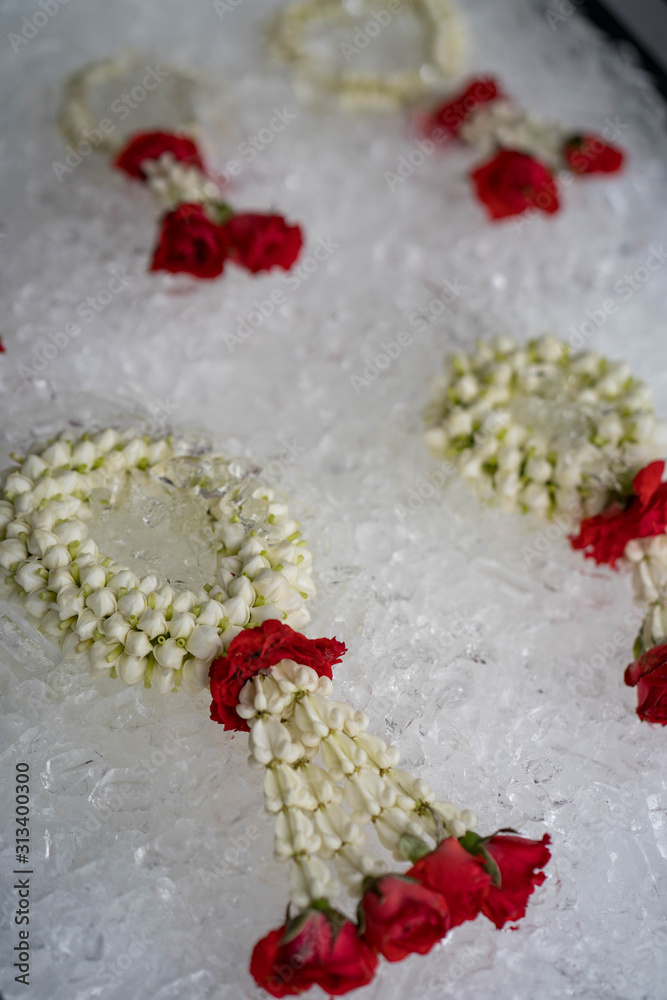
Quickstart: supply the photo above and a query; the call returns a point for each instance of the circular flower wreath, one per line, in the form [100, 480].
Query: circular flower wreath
[567, 436]
[326, 780]
[443, 49]
[143, 628]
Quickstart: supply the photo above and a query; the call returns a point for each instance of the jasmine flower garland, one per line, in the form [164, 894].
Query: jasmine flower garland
[550, 432]
[142, 628]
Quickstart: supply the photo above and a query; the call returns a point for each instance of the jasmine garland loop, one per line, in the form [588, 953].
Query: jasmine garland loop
[142, 628]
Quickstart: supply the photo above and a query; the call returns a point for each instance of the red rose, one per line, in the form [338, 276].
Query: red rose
[260, 242]
[458, 876]
[332, 957]
[644, 515]
[401, 917]
[513, 182]
[258, 649]
[455, 112]
[150, 146]
[517, 858]
[649, 675]
[190, 241]
[588, 154]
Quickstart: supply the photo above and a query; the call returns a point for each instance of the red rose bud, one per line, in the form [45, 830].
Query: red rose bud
[649, 675]
[455, 112]
[260, 242]
[325, 951]
[189, 241]
[258, 649]
[517, 859]
[512, 182]
[400, 917]
[644, 515]
[588, 154]
[457, 876]
[150, 146]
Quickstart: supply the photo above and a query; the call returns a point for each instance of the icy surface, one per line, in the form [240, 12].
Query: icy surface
[153, 865]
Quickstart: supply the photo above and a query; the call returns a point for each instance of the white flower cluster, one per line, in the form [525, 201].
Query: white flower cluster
[539, 428]
[292, 721]
[443, 56]
[648, 558]
[172, 182]
[503, 124]
[143, 629]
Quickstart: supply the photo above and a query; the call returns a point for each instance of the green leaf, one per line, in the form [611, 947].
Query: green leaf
[413, 848]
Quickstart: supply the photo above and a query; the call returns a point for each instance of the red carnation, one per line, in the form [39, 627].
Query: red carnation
[649, 675]
[326, 951]
[260, 242]
[517, 858]
[150, 146]
[513, 182]
[455, 112]
[643, 516]
[588, 154]
[400, 917]
[190, 241]
[258, 649]
[457, 876]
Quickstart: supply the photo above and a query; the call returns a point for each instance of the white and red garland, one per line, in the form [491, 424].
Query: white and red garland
[525, 154]
[327, 782]
[569, 436]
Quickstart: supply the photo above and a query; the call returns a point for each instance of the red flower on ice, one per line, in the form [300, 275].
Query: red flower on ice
[644, 515]
[150, 146]
[455, 874]
[517, 859]
[455, 112]
[190, 241]
[260, 242]
[323, 950]
[258, 649]
[512, 182]
[400, 917]
[588, 154]
[649, 675]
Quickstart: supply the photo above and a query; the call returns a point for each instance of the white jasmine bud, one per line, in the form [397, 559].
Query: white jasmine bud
[210, 613]
[184, 601]
[182, 624]
[204, 642]
[92, 575]
[169, 655]
[242, 587]
[115, 627]
[102, 602]
[153, 623]
[132, 604]
[56, 557]
[40, 541]
[131, 669]
[31, 576]
[137, 643]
